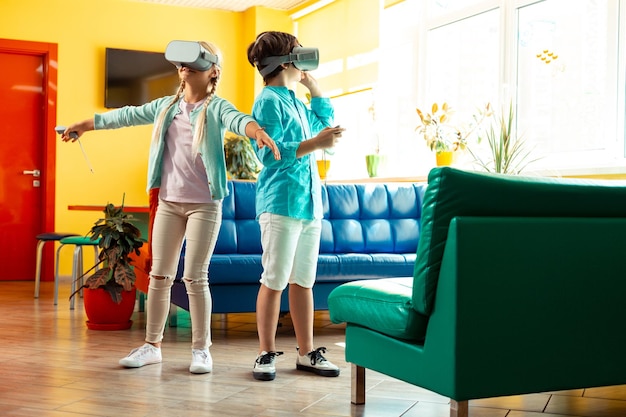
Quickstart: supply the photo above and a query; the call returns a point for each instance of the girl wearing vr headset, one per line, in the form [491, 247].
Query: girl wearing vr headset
[187, 165]
[288, 201]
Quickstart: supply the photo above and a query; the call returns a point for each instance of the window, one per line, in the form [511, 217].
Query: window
[567, 79]
[463, 62]
[557, 61]
[382, 117]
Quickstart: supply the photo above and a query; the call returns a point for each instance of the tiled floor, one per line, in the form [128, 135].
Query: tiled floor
[52, 365]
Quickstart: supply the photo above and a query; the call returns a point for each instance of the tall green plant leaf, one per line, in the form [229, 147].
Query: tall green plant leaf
[508, 153]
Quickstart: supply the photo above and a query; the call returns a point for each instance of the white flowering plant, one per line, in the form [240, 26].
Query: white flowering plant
[439, 132]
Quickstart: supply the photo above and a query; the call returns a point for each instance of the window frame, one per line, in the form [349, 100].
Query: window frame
[612, 158]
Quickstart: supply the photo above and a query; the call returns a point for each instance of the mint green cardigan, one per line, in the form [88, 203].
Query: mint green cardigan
[221, 116]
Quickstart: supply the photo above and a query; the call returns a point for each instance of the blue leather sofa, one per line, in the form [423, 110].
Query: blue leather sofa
[369, 231]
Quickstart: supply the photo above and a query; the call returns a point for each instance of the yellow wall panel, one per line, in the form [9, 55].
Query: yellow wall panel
[82, 30]
[257, 20]
[344, 30]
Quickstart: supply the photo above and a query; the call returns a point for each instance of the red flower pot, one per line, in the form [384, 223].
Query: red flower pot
[105, 314]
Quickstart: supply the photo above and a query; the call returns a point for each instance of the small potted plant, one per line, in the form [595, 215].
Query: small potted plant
[443, 137]
[374, 160]
[241, 160]
[109, 292]
[508, 152]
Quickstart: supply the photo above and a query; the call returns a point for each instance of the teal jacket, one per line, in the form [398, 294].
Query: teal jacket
[221, 116]
[290, 186]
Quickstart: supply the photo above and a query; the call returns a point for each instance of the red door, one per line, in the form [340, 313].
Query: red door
[27, 155]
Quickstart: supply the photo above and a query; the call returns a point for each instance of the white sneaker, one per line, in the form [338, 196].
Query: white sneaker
[201, 361]
[144, 355]
[315, 362]
[265, 366]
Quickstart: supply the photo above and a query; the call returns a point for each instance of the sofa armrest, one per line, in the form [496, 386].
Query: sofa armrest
[529, 305]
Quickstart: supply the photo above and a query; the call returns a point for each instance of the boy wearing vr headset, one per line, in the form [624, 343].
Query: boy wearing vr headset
[288, 200]
[187, 166]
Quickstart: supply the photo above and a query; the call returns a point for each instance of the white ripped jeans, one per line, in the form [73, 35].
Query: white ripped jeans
[199, 225]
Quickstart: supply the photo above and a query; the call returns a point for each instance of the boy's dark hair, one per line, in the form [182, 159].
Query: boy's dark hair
[270, 44]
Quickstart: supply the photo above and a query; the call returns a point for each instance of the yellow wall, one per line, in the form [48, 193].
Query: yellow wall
[82, 29]
[347, 33]
[257, 20]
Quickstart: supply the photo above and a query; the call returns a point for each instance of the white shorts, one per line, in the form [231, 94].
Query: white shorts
[290, 251]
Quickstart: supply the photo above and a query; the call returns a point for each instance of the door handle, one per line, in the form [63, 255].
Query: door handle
[34, 173]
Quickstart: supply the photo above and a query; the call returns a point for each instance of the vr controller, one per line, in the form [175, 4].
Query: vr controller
[61, 129]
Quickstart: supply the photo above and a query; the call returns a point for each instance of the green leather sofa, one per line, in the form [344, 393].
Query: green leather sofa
[519, 286]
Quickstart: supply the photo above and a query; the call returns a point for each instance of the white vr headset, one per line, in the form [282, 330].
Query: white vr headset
[191, 55]
[305, 59]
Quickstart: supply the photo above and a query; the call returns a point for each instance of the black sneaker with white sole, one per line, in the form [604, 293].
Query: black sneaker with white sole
[265, 366]
[315, 362]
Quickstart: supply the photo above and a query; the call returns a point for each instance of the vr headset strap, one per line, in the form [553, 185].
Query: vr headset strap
[272, 62]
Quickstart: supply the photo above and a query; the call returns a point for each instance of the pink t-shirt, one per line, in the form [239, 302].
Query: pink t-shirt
[183, 175]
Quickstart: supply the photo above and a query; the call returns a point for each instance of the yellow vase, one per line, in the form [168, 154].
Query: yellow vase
[444, 158]
[322, 167]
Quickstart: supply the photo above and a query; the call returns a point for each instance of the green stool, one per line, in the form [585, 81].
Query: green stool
[77, 263]
[42, 238]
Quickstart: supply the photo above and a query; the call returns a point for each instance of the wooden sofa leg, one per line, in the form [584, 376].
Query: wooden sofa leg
[459, 408]
[357, 384]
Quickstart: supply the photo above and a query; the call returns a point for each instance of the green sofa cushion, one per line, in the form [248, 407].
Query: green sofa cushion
[383, 305]
[452, 192]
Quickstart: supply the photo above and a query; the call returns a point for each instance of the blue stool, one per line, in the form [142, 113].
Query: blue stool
[77, 263]
[42, 239]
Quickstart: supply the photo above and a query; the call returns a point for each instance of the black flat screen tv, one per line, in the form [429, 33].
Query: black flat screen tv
[137, 77]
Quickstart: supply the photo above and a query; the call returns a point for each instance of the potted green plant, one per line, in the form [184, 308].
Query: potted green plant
[508, 152]
[109, 291]
[241, 160]
[375, 160]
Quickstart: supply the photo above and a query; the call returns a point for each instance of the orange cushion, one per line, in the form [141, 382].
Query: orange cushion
[142, 268]
[144, 260]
